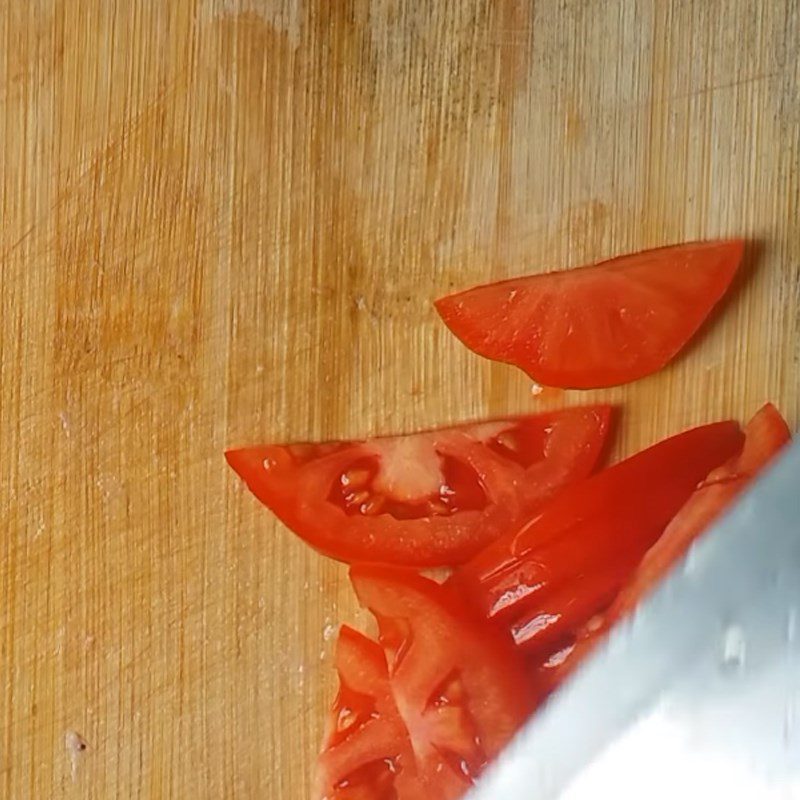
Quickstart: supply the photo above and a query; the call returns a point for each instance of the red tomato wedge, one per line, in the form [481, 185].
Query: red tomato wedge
[590, 536]
[765, 436]
[366, 751]
[460, 689]
[602, 325]
[425, 499]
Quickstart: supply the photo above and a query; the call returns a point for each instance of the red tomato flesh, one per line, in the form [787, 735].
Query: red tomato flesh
[765, 436]
[460, 688]
[541, 627]
[591, 535]
[602, 325]
[366, 751]
[426, 499]
[423, 713]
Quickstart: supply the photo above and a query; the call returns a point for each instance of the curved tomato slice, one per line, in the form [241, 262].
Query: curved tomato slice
[426, 499]
[601, 325]
[765, 435]
[589, 537]
[366, 752]
[460, 689]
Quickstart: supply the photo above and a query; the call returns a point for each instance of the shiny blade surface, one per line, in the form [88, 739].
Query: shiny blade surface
[696, 696]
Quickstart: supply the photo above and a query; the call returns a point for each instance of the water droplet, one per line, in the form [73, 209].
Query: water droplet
[791, 626]
[690, 561]
[734, 648]
[536, 389]
[788, 722]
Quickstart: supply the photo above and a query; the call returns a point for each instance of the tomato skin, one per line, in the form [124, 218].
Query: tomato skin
[765, 436]
[500, 485]
[594, 531]
[460, 687]
[540, 628]
[601, 325]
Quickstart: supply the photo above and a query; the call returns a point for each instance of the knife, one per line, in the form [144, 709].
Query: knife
[697, 695]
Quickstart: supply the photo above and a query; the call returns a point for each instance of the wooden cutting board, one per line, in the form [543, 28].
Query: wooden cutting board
[224, 222]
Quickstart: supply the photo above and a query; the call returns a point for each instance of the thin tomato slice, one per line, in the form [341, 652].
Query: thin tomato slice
[602, 325]
[460, 688]
[765, 436]
[541, 627]
[591, 534]
[366, 753]
[426, 499]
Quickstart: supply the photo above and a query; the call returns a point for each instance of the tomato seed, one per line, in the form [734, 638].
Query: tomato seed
[345, 720]
[373, 506]
[508, 440]
[438, 507]
[355, 478]
[357, 498]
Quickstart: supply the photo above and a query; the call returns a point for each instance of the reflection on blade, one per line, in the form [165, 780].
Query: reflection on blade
[698, 695]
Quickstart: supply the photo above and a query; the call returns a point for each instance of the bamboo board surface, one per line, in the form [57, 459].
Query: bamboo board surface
[223, 222]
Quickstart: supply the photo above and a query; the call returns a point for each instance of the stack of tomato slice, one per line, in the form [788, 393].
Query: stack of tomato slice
[421, 713]
[545, 555]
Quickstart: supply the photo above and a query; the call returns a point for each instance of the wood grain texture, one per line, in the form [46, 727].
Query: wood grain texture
[224, 221]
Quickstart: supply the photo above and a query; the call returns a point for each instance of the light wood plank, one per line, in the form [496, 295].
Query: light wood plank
[224, 221]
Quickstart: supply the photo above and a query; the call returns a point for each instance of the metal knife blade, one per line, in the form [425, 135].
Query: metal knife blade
[698, 694]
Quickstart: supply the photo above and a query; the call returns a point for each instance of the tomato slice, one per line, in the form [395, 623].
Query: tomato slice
[541, 627]
[366, 753]
[765, 436]
[590, 536]
[460, 689]
[602, 325]
[426, 499]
